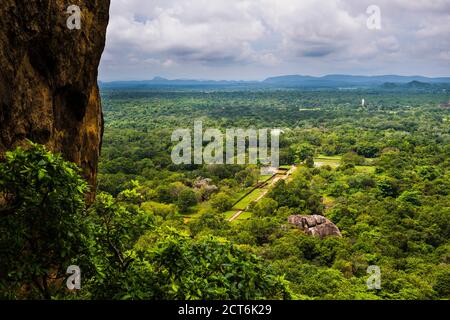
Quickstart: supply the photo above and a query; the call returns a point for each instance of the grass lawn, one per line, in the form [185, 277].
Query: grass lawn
[244, 216]
[264, 178]
[244, 203]
[322, 156]
[332, 161]
[229, 214]
[241, 193]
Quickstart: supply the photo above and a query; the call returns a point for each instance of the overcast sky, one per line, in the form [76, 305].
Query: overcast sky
[255, 39]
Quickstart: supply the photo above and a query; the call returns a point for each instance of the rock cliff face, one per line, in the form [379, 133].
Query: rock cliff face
[315, 225]
[48, 78]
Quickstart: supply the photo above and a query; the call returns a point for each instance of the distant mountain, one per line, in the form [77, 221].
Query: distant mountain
[337, 80]
[418, 84]
[288, 81]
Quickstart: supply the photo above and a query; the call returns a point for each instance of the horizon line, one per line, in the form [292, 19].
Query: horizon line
[155, 78]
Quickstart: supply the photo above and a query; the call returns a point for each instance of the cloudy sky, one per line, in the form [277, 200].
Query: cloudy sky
[254, 39]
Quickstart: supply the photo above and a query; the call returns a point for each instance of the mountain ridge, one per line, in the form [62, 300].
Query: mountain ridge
[331, 80]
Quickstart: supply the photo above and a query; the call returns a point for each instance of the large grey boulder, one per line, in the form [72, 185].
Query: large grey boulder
[315, 225]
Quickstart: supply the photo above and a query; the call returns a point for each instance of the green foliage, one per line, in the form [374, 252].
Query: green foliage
[412, 197]
[367, 150]
[162, 210]
[114, 229]
[186, 199]
[247, 177]
[208, 222]
[442, 284]
[256, 231]
[42, 222]
[171, 265]
[221, 202]
[389, 197]
[264, 208]
[297, 194]
[304, 151]
[352, 158]
[388, 187]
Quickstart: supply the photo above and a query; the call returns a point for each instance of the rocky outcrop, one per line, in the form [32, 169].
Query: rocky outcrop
[315, 225]
[48, 78]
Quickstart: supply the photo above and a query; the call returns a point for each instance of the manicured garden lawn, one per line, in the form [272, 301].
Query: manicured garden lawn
[244, 203]
[332, 161]
[229, 214]
[241, 193]
[244, 216]
[264, 178]
[323, 156]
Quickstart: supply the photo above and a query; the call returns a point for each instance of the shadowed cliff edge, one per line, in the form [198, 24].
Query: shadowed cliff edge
[48, 78]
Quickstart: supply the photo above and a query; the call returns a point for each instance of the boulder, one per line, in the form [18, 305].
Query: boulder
[48, 78]
[315, 225]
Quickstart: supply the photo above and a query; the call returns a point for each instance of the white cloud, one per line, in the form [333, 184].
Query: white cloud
[196, 30]
[272, 36]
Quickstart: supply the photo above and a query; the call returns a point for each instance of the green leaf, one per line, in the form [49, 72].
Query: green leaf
[41, 174]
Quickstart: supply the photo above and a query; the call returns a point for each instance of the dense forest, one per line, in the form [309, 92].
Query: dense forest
[379, 171]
